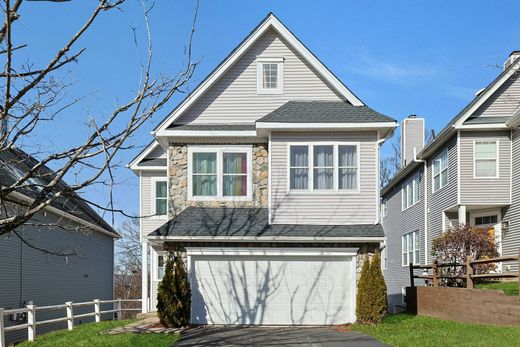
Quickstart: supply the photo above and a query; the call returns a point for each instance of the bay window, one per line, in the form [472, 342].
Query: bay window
[324, 167]
[219, 173]
[486, 158]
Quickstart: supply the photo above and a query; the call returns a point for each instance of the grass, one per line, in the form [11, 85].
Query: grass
[509, 288]
[409, 330]
[91, 335]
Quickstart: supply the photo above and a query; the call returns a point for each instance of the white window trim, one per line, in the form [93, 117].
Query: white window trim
[335, 183]
[154, 180]
[496, 159]
[415, 234]
[219, 150]
[403, 193]
[156, 265]
[440, 172]
[259, 75]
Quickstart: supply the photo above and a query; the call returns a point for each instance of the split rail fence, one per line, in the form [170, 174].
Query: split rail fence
[31, 313]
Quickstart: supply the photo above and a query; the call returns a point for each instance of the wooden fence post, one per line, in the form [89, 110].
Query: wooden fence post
[435, 273]
[31, 320]
[119, 309]
[97, 311]
[2, 334]
[412, 281]
[70, 315]
[469, 272]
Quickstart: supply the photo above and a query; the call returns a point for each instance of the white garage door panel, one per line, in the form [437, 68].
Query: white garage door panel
[234, 289]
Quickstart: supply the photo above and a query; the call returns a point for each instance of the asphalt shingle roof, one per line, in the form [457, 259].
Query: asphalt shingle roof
[324, 112]
[220, 126]
[252, 222]
[153, 162]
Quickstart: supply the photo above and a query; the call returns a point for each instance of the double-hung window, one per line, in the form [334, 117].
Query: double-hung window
[324, 167]
[486, 158]
[410, 248]
[411, 193]
[219, 173]
[440, 171]
[270, 75]
[160, 196]
[160, 267]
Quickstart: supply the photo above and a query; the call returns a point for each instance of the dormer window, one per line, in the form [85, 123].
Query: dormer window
[270, 75]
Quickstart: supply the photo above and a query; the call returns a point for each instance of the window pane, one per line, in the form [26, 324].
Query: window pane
[235, 163]
[299, 156]
[436, 166]
[347, 178]
[160, 189]
[161, 206]
[436, 183]
[444, 160]
[299, 178]
[270, 76]
[204, 185]
[444, 178]
[235, 185]
[323, 156]
[160, 261]
[323, 178]
[409, 193]
[486, 168]
[485, 150]
[347, 156]
[205, 163]
[416, 190]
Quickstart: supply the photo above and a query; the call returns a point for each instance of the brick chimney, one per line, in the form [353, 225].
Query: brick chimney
[512, 58]
[412, 138]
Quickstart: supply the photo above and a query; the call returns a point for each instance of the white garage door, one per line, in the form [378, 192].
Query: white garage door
[272, 285]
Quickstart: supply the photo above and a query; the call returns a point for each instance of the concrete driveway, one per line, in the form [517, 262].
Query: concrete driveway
[274, 336]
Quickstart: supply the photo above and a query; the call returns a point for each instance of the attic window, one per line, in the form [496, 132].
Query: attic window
[270, 75]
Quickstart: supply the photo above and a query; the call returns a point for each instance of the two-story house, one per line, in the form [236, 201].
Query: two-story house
[470, 174]
[266, 179]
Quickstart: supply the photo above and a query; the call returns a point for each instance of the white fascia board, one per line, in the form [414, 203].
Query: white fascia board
[266, 238]
[150, 168]
[488, 94]
[514, 121]
[271, 21]
[269, 251]
[481, 126]
[300, 126]
[67, 215]
[133, 164]
[205, 133]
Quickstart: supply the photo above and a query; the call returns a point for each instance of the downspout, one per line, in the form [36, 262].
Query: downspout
[379, 142]
[425, 203]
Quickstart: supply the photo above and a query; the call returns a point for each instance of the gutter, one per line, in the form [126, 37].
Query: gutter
[425, 196]
[266, 238]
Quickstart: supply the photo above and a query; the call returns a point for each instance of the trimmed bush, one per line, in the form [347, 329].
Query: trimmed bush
[371, 301]
[174, 294]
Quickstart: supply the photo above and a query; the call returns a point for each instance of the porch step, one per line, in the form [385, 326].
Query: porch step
[146, 315]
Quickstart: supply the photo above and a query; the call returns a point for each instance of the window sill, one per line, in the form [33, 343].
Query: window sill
[220, 199]
[409, 207]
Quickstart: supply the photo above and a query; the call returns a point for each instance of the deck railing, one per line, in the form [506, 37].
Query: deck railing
[31, 312]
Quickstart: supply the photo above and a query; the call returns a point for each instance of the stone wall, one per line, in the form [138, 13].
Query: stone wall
[178, 177]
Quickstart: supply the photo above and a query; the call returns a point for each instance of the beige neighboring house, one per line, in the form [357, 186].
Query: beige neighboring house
[266, 179]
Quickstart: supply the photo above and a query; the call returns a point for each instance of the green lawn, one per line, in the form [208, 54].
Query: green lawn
[408, 330]
[509, 288]
[91, 335]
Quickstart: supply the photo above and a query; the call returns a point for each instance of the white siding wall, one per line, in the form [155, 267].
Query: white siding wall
[234, 98]
[504, 102]
[323, 208]
[149, 224]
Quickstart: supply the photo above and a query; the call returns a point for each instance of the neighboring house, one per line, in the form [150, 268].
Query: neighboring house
[470, 174]
[266, 178]
[69, 224]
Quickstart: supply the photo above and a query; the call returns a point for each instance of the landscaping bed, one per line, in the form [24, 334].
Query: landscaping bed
[92, 335]
[409, 330]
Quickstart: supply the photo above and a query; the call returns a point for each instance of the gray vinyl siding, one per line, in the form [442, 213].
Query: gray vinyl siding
[234, 97]
[504, 102]
[511, 238]
[485, 191]
[149, 224]
[323, 207]
[396, 224]
[444, 198]
[28, 274]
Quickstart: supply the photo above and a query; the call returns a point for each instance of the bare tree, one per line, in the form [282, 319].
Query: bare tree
[34, 97]
[391, 163]
[128, 265]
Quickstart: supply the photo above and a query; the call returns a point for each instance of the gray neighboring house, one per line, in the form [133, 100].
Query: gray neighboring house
[69, 224]
[470, 174]
[266, 180]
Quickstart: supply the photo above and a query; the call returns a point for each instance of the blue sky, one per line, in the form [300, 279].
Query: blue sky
[400, 57]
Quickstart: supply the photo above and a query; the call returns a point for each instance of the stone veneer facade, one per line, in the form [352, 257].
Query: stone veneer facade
[178, 180]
